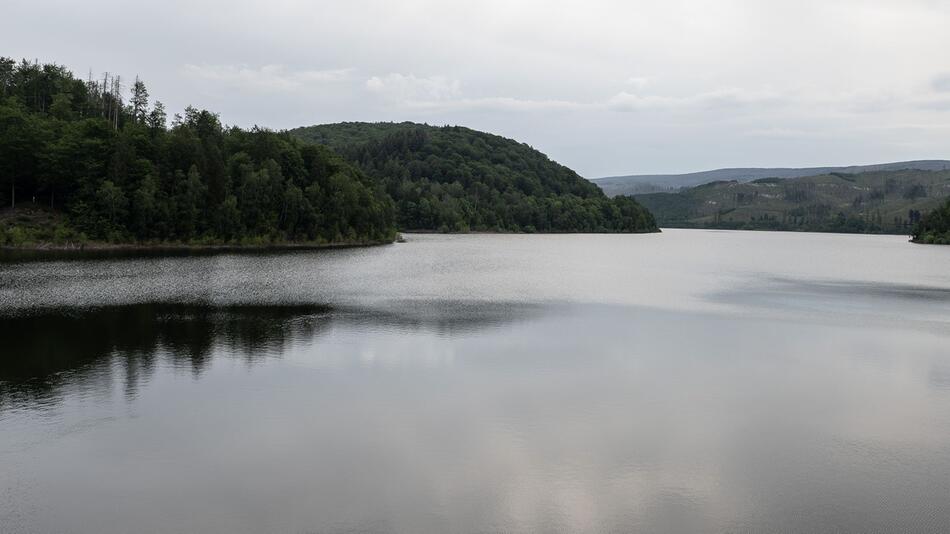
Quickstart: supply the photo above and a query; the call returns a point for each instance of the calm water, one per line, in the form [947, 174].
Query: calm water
[690, 381]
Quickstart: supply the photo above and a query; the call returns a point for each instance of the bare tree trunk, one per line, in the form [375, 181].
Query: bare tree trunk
[40, 103]
[105, 81]
[118, 100]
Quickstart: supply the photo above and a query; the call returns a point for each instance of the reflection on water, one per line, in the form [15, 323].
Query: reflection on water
[71, 348]
[705, 381]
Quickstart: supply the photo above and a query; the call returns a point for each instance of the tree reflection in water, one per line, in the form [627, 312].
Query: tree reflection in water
[45, 353]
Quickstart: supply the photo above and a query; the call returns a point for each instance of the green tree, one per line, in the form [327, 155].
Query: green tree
[139, 101]
[18, 144]
[227, 219]
[145, 208]
[113, 202]
[62, 106]
[188, 202]
[157, 117]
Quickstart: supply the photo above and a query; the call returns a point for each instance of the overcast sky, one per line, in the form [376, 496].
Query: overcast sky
[603, 87]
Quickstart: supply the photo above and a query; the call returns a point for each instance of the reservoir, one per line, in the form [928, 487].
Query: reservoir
[682, 382]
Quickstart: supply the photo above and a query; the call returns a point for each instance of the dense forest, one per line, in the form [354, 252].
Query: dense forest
[867, 202]
[456, 179]
[79, 162]
[934, 227]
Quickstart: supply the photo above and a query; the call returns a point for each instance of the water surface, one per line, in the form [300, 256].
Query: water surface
[686, 381]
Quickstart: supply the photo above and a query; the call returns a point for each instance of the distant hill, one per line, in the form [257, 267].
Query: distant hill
[874, 202]
[653, 183]
[457, 179]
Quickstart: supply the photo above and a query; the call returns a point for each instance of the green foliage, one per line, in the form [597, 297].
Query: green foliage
[29, 226]
[869, 202]
[934, 228]
[454, 179]
[121, 174]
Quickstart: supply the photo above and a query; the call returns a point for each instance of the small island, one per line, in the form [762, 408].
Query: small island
[84, 168]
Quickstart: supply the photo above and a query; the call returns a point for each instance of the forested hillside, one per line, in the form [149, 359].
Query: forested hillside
[934, 227]
[456, 179]
[870, 202]
[664, 183]
[78, 162]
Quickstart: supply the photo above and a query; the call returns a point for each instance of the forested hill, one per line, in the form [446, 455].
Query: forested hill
[662, 183]
[80, 162]
[873, 202]
[934, 227]
[456, 179]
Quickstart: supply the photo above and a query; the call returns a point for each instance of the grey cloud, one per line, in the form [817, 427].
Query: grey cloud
[404, 88]
[723, 98]
[499, 103]
[941, 83]
[266, 78]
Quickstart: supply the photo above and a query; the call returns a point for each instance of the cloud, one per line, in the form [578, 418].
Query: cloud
[498, 103]
[935, 104]
[268, 78]
[723, 98]
[405, 88]
[626, 101]
[941, 83]
[794, 103]
[441, 93]
[638, 82]
[788, 133]
[876, 101]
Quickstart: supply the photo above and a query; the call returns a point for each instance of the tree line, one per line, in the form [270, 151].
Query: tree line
[121, 172]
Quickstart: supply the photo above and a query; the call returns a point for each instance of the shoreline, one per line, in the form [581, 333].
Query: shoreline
[95, 246]
[789, 230]
[657, 230]
[185, 247]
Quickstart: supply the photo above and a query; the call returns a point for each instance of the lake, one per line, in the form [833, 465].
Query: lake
[689, 381]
